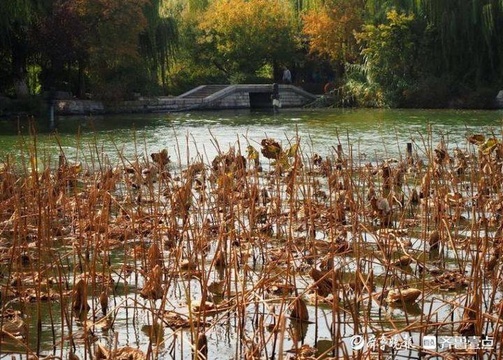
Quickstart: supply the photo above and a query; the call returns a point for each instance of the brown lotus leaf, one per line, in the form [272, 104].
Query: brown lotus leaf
[15, 327]
[186, 265]
[323, 281]
[280, 289]
[124, 353]
[434, 240]
[104, 301]
[470, 314]
[499, 308]
[406, 296]
[32, 295]
[299, 310]
[206, 306]
[488, 146]
[97, 277]
[229, 162]
[217, 287]
[220, 259]
[10, 313]
[101, 352]
[154, 256]
[476, 139]
[176, 321]
[490, 265]
[201, 348]
[451, 280]
[304, 352]
[154, 331]
[153, 286]
[404, 260]
[454, 198]
[128, 353]
[161, 158]
[80, 297]
[72, 356]
[253, 154]
[271, 149]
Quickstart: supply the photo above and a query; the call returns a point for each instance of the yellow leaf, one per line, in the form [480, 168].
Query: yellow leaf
[293, 150]
[488, 146]
[252, 153]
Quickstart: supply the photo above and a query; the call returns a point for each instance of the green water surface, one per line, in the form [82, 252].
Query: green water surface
[373, 134]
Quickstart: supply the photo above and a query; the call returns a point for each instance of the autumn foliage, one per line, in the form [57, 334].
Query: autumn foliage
[331, 29]
[116, 49]
[115, 26]
[245, 35]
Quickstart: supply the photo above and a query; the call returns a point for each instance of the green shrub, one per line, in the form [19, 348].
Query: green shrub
[123, 82]
[429, 93]
[31, 106]
[188, 78]
[483, 98]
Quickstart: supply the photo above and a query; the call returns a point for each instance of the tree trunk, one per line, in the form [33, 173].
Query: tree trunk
[276, 71]
[81, 85]
[19, 73]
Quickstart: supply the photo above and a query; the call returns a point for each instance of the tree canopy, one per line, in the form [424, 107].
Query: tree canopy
[331, 28]
[384, 52]
[242, 36]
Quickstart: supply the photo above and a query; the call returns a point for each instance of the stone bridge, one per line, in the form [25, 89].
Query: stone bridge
[204, 97]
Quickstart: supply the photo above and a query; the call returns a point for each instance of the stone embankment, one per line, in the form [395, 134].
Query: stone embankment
[204, 97]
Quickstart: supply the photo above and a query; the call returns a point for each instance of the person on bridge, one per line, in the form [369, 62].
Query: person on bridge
[276, 104]
[287, 76]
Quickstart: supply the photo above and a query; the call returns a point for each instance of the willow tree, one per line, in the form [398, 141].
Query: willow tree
[390, 57]
[469, 33]
[468, 46]
[159, 41]
[376, 11]
[16, 17]
[196, 6]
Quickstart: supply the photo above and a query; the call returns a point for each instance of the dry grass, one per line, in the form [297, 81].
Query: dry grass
[265, 253]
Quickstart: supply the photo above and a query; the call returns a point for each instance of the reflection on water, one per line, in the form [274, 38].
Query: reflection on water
[369, 134]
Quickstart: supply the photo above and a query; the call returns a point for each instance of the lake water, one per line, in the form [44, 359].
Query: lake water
[369, 134]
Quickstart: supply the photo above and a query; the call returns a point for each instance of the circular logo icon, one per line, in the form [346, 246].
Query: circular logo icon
[357, 342]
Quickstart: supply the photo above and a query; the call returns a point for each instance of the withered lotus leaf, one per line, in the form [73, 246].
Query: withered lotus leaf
[153, 286]
[80, 297]
[271, 149]
[488, 146]
[299, 310]
[104, 301]
[154, 256]
[404, 260]
[15, 327]
[201, 347]
[476, 139]
[124, 353]
[252, 153]
[406, 296]
[161, 158]
[323, 281]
